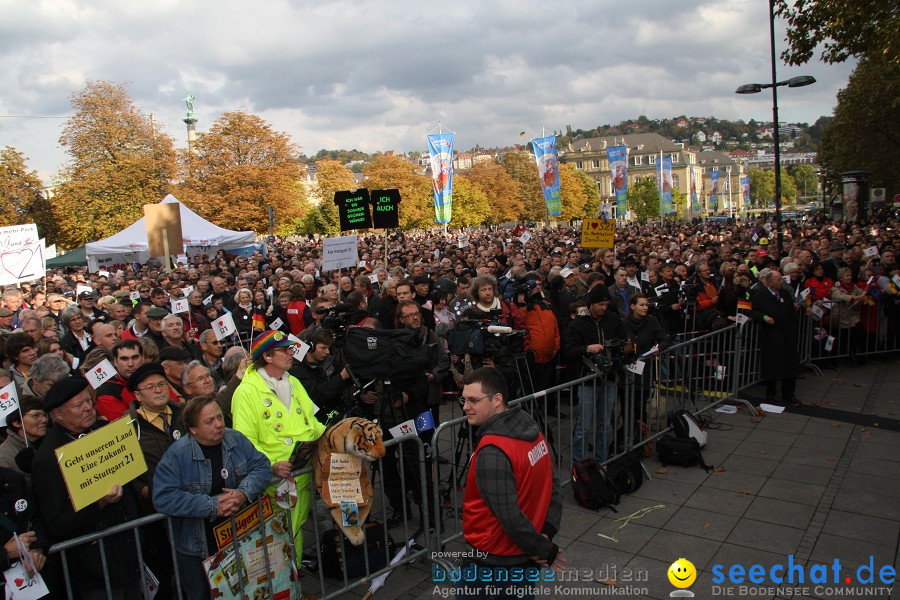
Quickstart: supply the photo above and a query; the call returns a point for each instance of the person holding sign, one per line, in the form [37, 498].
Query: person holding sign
[25, 428]
[273, 410]
[18, 514]
[202, 479]
[69, 403]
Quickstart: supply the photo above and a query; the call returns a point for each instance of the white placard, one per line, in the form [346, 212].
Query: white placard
[223, 326]
[82, 288]
[661, 289]
[50, 252]
[829, 343]
[871, 251]
[19, 586]
[9, 401]
[179, 306]
[462, 241]
[720, 372]
[896, 280]
[741, 318]
[525, 237]
[373, 277]
[340, 252]
[21, 254]
[818, 312]
[645, 276]
[187, 290]
[134, 296]
[208, 300]
[276, 324]
[103, 273]
[100, 373]
[404, 428]
[299, 349]
[804, 294]
[636, 367]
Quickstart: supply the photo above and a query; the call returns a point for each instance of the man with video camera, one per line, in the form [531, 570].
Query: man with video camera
[666, 300]
[587, 337]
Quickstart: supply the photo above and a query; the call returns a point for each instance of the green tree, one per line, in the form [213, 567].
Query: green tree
[21, 195]
[806, 179]
[416, 197]
[643, 199]
[118, 161]
[470, 203]
[865, 132]
[762, 187]
[239, 168]
[679, 202]
[501, 189]
[860, 28]
[522, 168]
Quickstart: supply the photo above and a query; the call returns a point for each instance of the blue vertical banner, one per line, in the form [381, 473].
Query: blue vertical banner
[618, 168]
[664, 177]
[695, 199]
[714, 192]
[440, 149]
[548, 170]
[745, 190]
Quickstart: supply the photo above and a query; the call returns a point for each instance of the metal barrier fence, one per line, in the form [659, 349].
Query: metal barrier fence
[849, 329]
[412, 476]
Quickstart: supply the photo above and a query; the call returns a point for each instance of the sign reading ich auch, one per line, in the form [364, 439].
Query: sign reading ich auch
[385, 210]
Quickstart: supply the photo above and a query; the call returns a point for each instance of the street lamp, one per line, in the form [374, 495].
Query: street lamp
[755, 88]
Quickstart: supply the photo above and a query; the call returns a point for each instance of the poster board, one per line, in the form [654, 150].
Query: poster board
[340, 253]
[598, 233]
[21, 254]
[163, 217]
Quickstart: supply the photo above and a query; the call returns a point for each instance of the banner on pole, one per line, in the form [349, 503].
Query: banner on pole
[548, 170]
[745, 190]
[618, 168]
[440, 148]
[695, 199]
[664, 176]
[714, 191]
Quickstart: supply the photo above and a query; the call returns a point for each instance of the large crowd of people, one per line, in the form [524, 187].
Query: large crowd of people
[221, 416]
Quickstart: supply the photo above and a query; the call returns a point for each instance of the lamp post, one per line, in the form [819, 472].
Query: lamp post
[755, 88]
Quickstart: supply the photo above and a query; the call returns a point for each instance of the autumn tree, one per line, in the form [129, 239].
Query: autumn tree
[579, 193]
[237, 169]
[21, 197]
[522, 168]
[643, 199]
[501, 189]
[417, 201]
[119, 161]
[331, 176]
[471, 206]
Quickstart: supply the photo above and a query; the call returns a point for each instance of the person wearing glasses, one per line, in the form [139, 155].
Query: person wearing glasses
[77, 342]
[198, 380]
[512, 505]
[211, 355]
[28, 425]
[273, 410]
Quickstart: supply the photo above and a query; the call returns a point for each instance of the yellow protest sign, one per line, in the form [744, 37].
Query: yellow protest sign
[598, 233]
[92, 465]
[246, 520]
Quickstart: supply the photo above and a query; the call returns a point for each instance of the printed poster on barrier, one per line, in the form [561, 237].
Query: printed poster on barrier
[93, 464]
[340, 253]
[598, 233]
[21, 254]
[226, 569]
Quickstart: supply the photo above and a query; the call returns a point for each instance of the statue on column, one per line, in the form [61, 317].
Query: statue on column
[189, 101]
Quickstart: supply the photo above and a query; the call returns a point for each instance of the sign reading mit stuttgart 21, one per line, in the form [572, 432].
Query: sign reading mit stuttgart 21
[598, 233]
[92, 465]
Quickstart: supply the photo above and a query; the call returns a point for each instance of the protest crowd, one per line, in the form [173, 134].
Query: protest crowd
[205, 367]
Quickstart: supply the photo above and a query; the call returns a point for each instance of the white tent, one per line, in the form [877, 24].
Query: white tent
[198, 234]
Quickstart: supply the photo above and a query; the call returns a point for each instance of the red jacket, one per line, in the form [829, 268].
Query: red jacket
[113, 398]
[543, 333]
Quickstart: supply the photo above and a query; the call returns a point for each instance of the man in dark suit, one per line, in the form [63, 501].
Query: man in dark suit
[773, 308]
[620, 292]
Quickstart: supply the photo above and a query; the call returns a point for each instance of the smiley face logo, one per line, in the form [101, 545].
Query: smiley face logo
[682, 573]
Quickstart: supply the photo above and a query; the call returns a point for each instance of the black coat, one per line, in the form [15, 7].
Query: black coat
[63, 523]
[70, 344]
[18, 507]
[583, 331]
[779, 356]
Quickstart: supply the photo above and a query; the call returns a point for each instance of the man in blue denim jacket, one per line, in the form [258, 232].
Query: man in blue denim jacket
[202, 479]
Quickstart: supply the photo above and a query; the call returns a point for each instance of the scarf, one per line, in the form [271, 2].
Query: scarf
[281, 387]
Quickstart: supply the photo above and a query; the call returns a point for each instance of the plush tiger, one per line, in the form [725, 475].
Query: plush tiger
[359, 438]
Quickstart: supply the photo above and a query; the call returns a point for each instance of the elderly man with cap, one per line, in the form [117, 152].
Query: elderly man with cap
[173, 361]
[88, 310]
[835, 260]
[69, 403]
[155, 315]
[273, 410]
[6, 317]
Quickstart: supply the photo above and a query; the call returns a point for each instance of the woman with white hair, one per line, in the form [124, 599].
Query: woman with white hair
[243, 314]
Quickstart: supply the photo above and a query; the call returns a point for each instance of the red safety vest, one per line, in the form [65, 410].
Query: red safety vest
[533, 471]
[294, 313]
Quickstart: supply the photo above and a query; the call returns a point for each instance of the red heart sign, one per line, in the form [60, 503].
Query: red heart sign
[4, 395]
[99, 371]
[221, 323]
[595, 225]
[19, 582]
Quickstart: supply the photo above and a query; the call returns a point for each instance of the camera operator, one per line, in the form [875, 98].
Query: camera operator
[587, 336]
[324, 376]
[543, 333]
[667, 301]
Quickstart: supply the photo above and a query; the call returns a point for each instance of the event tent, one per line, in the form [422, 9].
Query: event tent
[198, 234]
[75, 258]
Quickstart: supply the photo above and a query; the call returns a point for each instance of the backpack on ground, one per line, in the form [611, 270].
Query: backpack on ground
[592, 486]
[626, 472]
[685, 427]
[680, 451]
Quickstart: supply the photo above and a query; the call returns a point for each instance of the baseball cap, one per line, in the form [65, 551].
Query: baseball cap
[566, 272]
[761, 253]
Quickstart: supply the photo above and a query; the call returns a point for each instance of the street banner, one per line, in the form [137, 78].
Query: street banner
[598, 233]
[695, 199]
[745, 190]
[714, 192]
[548, 170]
[440, 148]
[93, 464]
[21, 254]
[340, 253]
[618, 167]
[664, 177]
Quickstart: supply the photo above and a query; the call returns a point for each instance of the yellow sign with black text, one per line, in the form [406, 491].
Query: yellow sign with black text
[598, 233]
[92, 465]
[247, 520]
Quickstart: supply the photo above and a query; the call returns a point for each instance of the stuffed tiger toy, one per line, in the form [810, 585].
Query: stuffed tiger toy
[361, 439]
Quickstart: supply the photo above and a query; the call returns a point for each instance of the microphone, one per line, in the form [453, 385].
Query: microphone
[499, 329]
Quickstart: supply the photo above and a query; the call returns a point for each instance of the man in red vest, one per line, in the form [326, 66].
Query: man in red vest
[512, 505]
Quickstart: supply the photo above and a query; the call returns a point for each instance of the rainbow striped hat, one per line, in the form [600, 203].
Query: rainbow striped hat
[269, 341]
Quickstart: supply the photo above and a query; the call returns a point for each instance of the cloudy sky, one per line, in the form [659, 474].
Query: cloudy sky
[380, 74]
